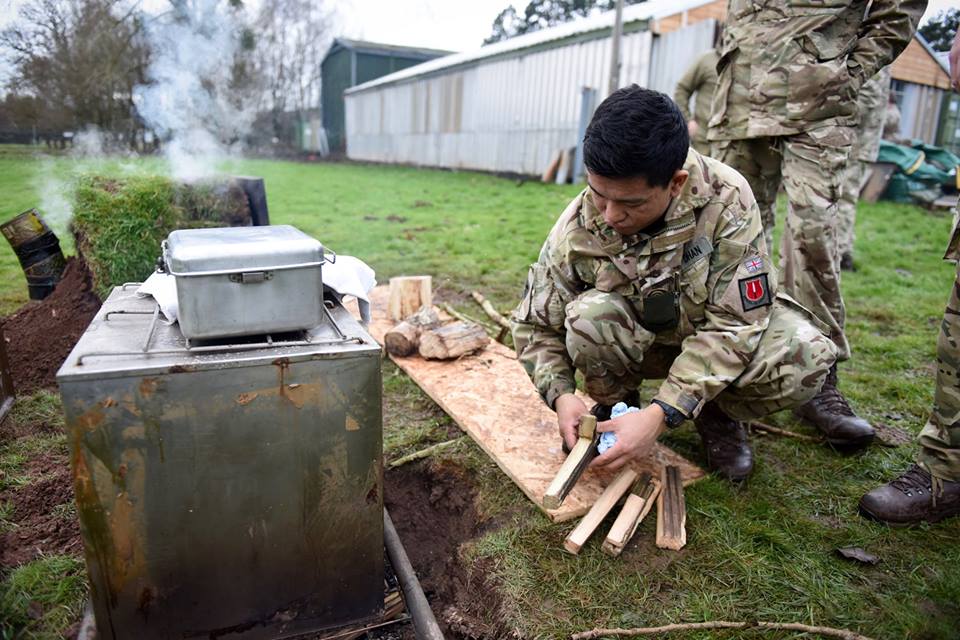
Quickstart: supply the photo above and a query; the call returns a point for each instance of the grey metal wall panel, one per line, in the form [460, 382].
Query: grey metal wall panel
[673, 52]
[509, 114]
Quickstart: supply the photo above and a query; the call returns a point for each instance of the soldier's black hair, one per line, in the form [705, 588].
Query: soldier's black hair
[634, 133]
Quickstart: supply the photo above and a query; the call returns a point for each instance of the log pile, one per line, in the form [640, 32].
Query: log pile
[420, 330]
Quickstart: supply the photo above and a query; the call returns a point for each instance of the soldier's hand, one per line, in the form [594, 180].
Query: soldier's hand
[636, 435]
[569, 408]
[692, 127]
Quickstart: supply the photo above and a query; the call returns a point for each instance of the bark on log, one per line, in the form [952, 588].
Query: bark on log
[452, 340]
[407, 295]
[404, 339]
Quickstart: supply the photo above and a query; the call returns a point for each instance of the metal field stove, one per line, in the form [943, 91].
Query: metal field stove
[228, 488]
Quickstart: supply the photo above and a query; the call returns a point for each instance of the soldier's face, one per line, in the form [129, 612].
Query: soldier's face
[631, 204]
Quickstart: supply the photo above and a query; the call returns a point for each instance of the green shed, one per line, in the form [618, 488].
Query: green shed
[352, 62]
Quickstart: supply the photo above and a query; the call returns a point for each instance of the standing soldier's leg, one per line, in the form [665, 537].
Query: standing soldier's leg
[930, 490]
[813, 164]
[759, 161]
[847, 212]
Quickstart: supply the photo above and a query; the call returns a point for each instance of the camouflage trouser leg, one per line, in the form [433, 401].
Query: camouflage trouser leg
[847, 207]
[758, 160]
[813, 164]
[787, 369]
[615, 354]
[940, 438]
[606, 343]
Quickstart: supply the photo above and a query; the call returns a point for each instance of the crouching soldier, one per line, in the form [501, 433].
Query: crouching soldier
[659, 270]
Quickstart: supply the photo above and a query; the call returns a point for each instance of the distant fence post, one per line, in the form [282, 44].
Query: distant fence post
[588, 96]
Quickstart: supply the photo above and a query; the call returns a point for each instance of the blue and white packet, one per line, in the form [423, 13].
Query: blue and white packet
[609, 438]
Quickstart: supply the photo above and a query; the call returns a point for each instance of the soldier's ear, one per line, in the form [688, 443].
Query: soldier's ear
[677, 181]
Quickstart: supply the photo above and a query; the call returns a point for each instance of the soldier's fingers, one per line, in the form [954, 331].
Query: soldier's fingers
[607, 425]
[608, 457]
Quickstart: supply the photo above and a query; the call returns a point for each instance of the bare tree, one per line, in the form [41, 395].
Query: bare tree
[81, 59]
[291, 37]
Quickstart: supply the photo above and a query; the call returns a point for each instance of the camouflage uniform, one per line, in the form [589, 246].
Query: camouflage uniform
[872, 103]
[691, 298]
[940, 438]
[700, 78]
[785, 106]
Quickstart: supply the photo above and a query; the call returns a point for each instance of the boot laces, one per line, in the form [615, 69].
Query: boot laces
[914, 480]
[833, 401]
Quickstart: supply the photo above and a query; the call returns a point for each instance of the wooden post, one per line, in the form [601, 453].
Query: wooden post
[635, 509]
[604, 505]
[407, 294]
[671, 511]
[575, 464]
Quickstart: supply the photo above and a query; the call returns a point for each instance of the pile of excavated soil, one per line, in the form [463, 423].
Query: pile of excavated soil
[433, 511]
[40, 335]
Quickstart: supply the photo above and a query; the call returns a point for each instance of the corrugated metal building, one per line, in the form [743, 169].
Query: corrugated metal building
[921, 85]
[352, 62]
[510, 106]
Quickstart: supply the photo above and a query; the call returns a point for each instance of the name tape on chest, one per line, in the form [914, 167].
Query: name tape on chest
[755, 292]
[696, 251]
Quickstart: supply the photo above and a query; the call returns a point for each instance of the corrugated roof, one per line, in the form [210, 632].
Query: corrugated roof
[650, 10]
[366, 46]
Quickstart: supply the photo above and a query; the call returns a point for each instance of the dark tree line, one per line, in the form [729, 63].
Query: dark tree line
[539, 14]
[940, 29]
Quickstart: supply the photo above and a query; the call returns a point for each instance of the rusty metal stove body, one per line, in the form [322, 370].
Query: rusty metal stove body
[226, 490]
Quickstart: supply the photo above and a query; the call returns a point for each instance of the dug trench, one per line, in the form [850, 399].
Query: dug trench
[432, 507]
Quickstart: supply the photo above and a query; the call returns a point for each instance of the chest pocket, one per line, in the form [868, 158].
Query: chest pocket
[693, 284]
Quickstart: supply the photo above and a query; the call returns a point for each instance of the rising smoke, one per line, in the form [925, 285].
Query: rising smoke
[190, 102]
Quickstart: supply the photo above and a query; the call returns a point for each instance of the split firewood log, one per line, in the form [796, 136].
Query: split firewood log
[404, 339]
[452, 340]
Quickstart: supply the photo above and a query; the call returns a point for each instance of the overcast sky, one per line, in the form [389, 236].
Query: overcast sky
[455, 25]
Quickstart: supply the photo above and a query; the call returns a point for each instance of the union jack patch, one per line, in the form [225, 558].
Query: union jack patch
[753, 265]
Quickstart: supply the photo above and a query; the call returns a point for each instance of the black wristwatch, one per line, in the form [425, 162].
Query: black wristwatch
[672, 415]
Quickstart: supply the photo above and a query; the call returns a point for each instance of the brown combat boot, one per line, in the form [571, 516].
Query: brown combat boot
[829, 412]
[912, 498]
[725, 443]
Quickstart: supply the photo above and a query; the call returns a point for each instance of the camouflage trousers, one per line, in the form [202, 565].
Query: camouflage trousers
[940, 438]
[854, 178]
[615, 354]
[811, 167]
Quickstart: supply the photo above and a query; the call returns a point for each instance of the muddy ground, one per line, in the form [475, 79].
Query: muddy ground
[432, 507]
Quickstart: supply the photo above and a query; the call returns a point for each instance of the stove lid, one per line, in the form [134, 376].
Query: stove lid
[192, 252]
[129, 337]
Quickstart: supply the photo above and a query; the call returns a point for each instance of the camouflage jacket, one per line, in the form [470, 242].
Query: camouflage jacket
[701, 79]
[707, 249]
[872, 103]
[788, 66]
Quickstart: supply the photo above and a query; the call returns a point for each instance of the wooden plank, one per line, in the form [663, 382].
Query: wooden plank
[671, 511]
[570, 471]
[880, 174]
[604, 505]
[490, 396]
[636, 507]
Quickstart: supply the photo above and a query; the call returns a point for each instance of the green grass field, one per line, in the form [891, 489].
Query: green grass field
[765, 551]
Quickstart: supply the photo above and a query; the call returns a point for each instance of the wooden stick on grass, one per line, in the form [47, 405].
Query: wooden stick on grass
[720, 624]
[490, 311]
[423, 453]
[759, 426]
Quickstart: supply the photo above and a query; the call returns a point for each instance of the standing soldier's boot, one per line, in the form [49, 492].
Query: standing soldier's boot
[725, 443]
[916, 496]
[829, 412]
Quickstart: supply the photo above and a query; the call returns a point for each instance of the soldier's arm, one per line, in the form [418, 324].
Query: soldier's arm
[884, 33]
[741, 289]
[538, 328]
[686, 87]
